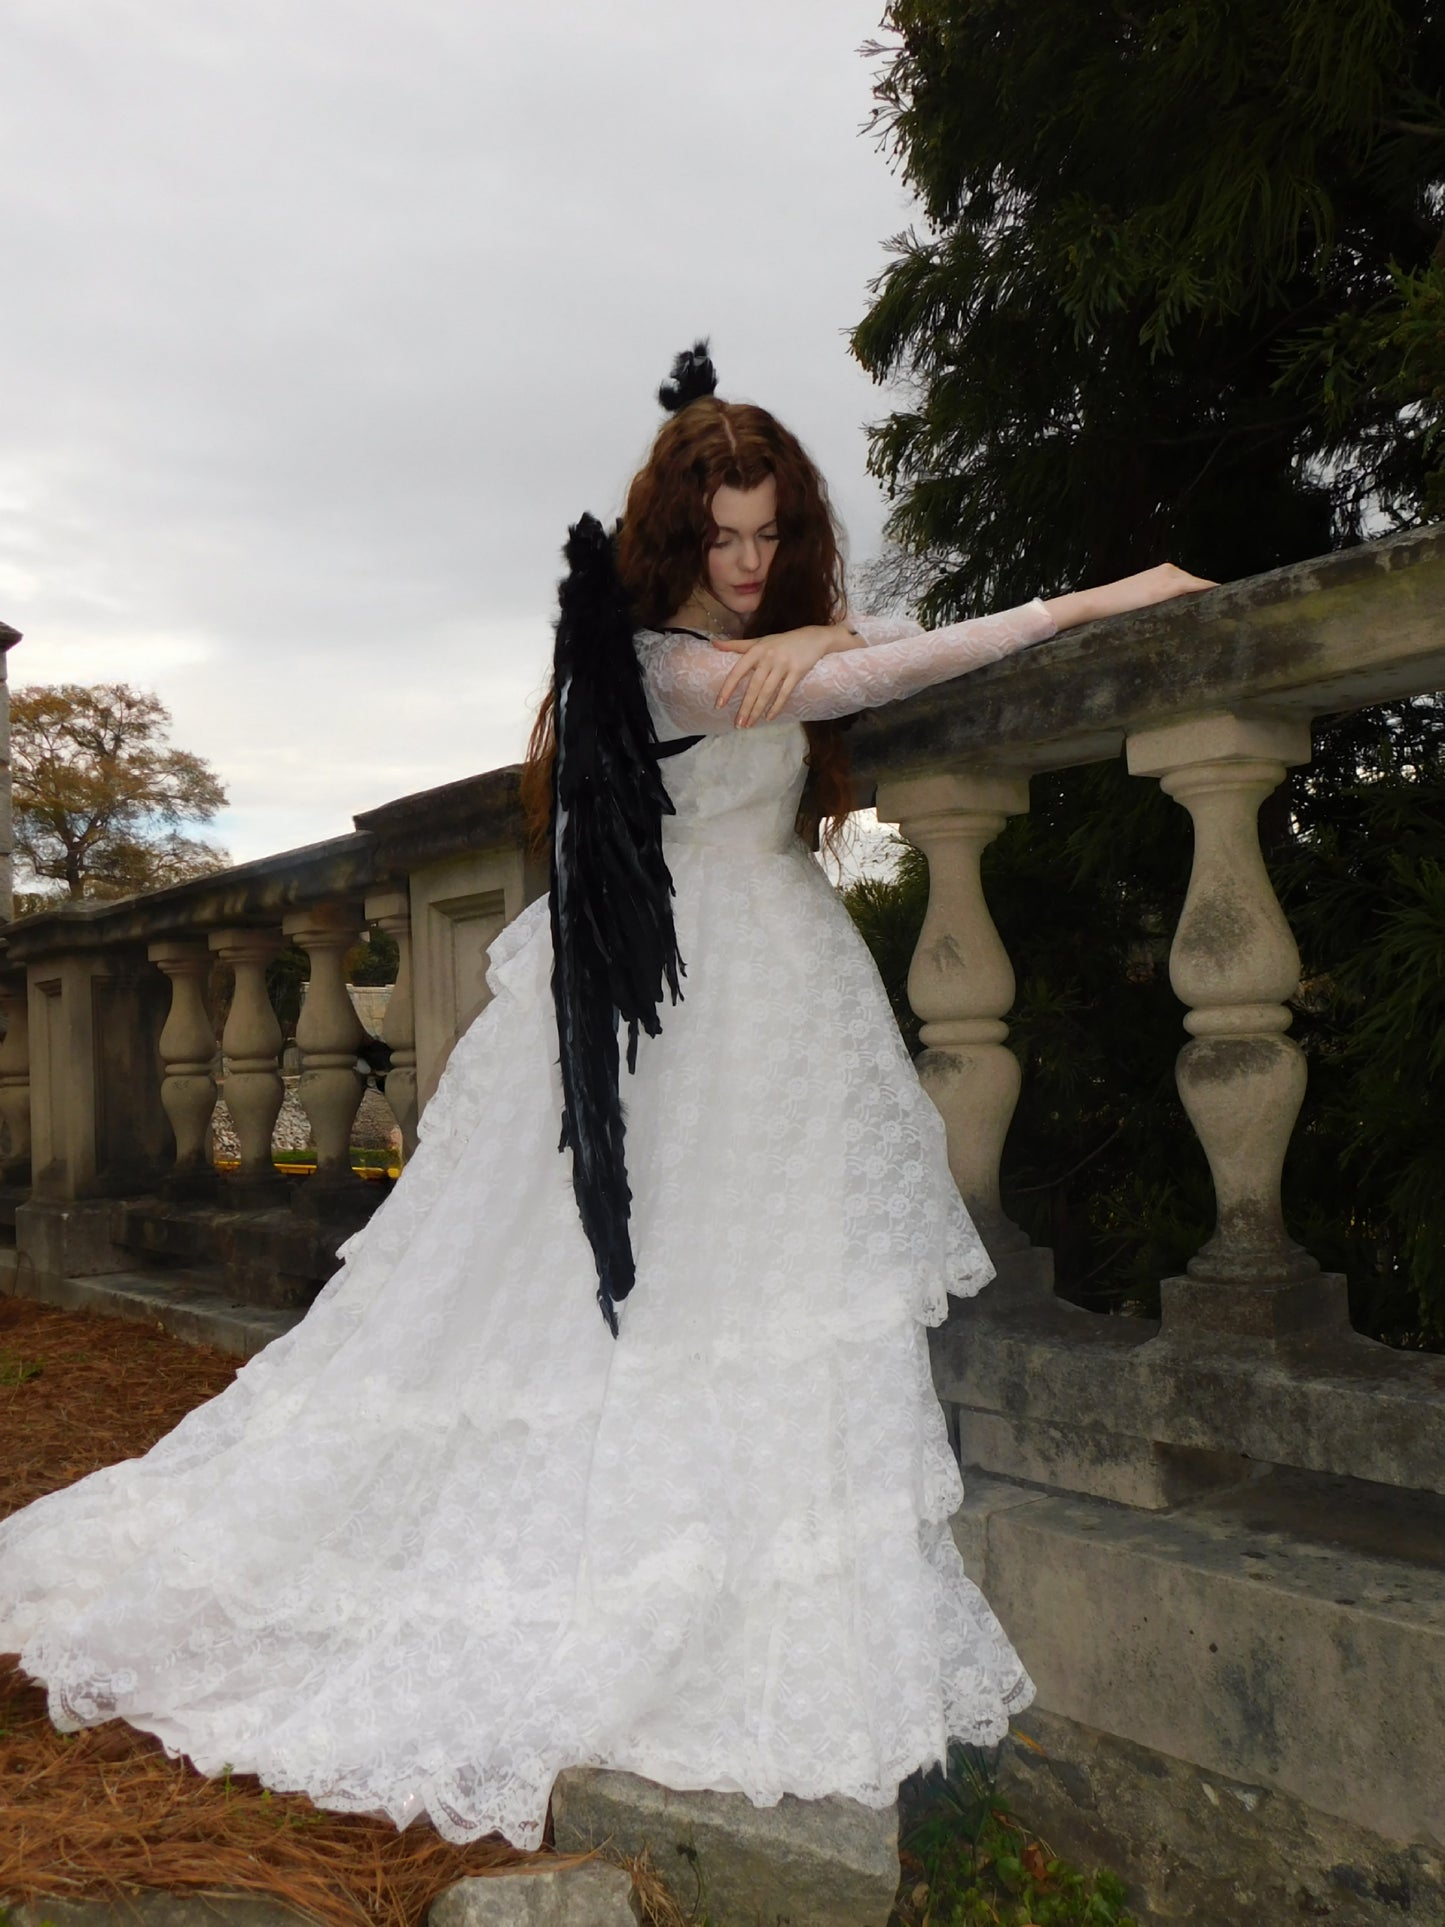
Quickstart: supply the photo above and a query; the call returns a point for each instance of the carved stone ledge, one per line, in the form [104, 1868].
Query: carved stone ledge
[1313, 1309]
[1341, 1406]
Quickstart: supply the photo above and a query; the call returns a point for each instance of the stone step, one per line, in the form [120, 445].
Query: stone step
[279, 1256]
[591, 1895]
[809, 1863]
[146, 1907]
[190, 1302]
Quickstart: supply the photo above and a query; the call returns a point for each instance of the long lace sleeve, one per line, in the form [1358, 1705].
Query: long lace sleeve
[898, 660]
[876, 629]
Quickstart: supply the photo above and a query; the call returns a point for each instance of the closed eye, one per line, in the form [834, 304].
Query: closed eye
[724, 536]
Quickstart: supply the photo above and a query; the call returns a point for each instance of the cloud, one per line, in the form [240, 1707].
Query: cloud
[324, 322]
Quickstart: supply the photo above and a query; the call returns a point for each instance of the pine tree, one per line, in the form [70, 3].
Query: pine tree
[1180, 295]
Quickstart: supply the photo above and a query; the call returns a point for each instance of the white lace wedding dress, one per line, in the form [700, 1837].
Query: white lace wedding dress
[448, 1536]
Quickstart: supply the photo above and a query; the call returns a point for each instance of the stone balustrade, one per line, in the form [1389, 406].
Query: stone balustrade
[1217, 1538]
[187, 1050]
[1214, 699]
[251, 1051]
[961, 984]
[391, 913]
[329, 1036]
[113, 1066]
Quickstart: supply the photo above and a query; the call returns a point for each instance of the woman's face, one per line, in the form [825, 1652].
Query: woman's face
[742, 552]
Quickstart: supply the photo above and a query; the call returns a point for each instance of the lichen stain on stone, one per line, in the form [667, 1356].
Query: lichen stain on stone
[1075, 1783]
[1218, 1060]
[1249, 1245]
[1251, 1223]
[1346, 1644]
[1253, 1696]
[944, 954]
[939, 1066]
[1217, 929]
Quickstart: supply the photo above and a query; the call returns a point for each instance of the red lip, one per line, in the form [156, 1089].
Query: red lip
[747, 588]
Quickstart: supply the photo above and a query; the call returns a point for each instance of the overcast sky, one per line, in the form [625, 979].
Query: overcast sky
[323, 318]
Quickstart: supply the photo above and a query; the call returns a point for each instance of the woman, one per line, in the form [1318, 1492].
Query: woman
[449, 1534]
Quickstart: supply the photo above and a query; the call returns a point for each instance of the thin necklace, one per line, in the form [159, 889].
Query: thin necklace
[708, 626]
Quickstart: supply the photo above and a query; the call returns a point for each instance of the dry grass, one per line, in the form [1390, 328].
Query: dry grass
[105, 1810]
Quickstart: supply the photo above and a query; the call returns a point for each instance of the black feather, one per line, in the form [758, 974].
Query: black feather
[613, 939]
[693, 376]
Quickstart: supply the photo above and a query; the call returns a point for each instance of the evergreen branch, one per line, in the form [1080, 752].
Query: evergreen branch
[1089, 1157]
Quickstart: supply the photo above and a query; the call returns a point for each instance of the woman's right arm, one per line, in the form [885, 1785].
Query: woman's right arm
[812, 675]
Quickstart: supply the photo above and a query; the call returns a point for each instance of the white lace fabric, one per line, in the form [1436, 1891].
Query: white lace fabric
[899, 659]
[448, 1536]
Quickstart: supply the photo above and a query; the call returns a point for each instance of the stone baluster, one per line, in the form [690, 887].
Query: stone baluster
[961, 983]
[392, 913]
[1234, 962]
[251, 1043]
[188, 1050]
[15, 1076]
[329, 1034]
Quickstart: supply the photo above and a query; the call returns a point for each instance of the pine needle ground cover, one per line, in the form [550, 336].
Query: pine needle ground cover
[104, 1810]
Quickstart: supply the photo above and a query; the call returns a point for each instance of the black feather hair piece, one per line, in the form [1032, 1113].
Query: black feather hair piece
[693, 376]
[614, 945]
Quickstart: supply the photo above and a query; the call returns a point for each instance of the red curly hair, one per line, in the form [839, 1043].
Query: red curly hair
[661, 549]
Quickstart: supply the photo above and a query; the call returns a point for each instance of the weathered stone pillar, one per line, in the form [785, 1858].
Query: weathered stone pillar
[15, 1075]
[97, 1128]
[329, 1033]
[961, 983]
[251, 1043]
[1234, 962]
[8, 639]
[392, 913]
[188, 1050]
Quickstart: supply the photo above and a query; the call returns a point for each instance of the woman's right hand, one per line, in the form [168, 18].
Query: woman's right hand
[1159, 584]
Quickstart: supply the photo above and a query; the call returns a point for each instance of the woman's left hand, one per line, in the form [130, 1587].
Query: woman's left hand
[1159, 584]
[773, 666]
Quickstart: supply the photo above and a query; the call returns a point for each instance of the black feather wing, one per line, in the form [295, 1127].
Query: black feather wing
[614, 942]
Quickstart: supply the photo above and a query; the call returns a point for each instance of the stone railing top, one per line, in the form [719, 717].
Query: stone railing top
[1362, 626]
[1365, 625]
[480, 813]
